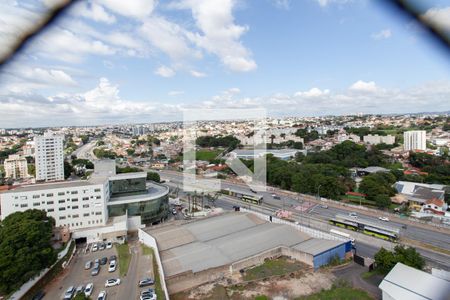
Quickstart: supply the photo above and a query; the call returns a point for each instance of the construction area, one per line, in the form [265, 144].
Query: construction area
[216, 248]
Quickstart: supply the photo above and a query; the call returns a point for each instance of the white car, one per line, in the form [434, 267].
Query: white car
[109, 245]
[88, 289]
[353, 215]
[101, 295]
[384, 219]
[112, 282]
[112, 266]
[94, 247]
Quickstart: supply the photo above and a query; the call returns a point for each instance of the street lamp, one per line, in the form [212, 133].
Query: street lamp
[318, 189]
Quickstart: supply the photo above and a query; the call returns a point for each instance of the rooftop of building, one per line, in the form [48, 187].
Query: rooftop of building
[153, 191]
[228, 238]
[46, 186]
[404, 282]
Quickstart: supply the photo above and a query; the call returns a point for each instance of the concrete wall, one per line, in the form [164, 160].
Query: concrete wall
[150, 241]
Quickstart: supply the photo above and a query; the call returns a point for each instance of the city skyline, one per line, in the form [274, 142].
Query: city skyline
[147, 62]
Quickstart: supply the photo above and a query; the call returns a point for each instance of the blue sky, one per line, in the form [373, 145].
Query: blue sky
[112, 61]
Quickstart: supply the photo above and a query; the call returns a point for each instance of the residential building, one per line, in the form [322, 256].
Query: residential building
[435, 206]
[379, 139]
[16, 167]
[417, 194]
[415, 140]
[49, 157]
[404, 282]
[86, 204]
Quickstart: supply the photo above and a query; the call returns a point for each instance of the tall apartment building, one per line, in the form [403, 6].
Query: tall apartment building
[49, 157]
[16, 167]
[415, 140]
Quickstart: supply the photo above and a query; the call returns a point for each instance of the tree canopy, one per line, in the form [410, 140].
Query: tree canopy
[24, 247]
[217, 141]
[385, 260]
[153, 176]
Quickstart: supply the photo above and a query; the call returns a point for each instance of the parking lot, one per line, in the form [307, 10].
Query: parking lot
[75, 275]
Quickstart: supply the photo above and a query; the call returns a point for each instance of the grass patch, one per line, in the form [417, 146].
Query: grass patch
[279, 266]
[124, 258]
[158, 288]
[367, 275]
[208, 155]
[261, 297]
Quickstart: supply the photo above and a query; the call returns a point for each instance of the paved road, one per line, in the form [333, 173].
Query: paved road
[437, 238]
[85, 151]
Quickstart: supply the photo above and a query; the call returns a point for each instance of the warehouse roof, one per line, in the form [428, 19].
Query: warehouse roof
[225, 239]
[404, 282]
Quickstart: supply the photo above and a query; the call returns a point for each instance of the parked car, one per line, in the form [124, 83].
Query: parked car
[69, 293]
[103, 260]
[174, 211]
[39, 295]
[386, 219]
[101, 295]
[324, 206]
[275, 196]
[88, 265]
[112, 282]
[148, 296]
[148, 291]
[88, 290]
[102, 246]
[146, 282]
[112, 266]
[95, 271]
[97, 261]
[109, 245]
[112, 257]
[79, 289]
[94, 247]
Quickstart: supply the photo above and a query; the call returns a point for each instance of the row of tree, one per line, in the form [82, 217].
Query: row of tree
[217, 141]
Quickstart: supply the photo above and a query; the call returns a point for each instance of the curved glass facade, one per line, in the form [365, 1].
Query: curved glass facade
[151, 211]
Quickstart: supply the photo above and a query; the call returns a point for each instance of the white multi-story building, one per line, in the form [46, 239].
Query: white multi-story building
[16, 167]
[415, 140]
[88, 207]
[49, 157]
[378, 139]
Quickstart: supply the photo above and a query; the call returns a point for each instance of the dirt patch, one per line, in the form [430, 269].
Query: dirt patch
[282, 287]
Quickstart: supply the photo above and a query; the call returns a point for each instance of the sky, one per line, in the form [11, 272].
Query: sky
[137, 61]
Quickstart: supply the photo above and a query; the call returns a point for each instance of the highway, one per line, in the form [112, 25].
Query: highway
[85, 151]
[422, 235]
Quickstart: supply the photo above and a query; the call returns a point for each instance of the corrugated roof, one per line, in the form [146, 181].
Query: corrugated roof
[404, 282]
[317, 246]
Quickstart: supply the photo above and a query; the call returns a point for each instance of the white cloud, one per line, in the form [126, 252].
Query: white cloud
[130, 8]
[363, 86]
[168, 37]
[197, 74]
[283, 4]
[175, 93]
[164, 71]
[383, 34]
[324, 3]
[440, 17]
[94, 12]
[314, 92]
[62, 44]
[219, 34]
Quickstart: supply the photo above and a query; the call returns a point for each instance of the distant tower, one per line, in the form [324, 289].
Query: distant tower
[49, 157]
[415, 140]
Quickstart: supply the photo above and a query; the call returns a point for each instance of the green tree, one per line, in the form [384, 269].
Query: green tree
[153, 176]
[385, 260]
[25, 247]
[81, 296]
[68, 169]
[382, 200]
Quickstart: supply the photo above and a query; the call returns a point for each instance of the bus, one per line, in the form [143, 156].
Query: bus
[247, 197]
[343, 234]
[366, 227]
[255, 199]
